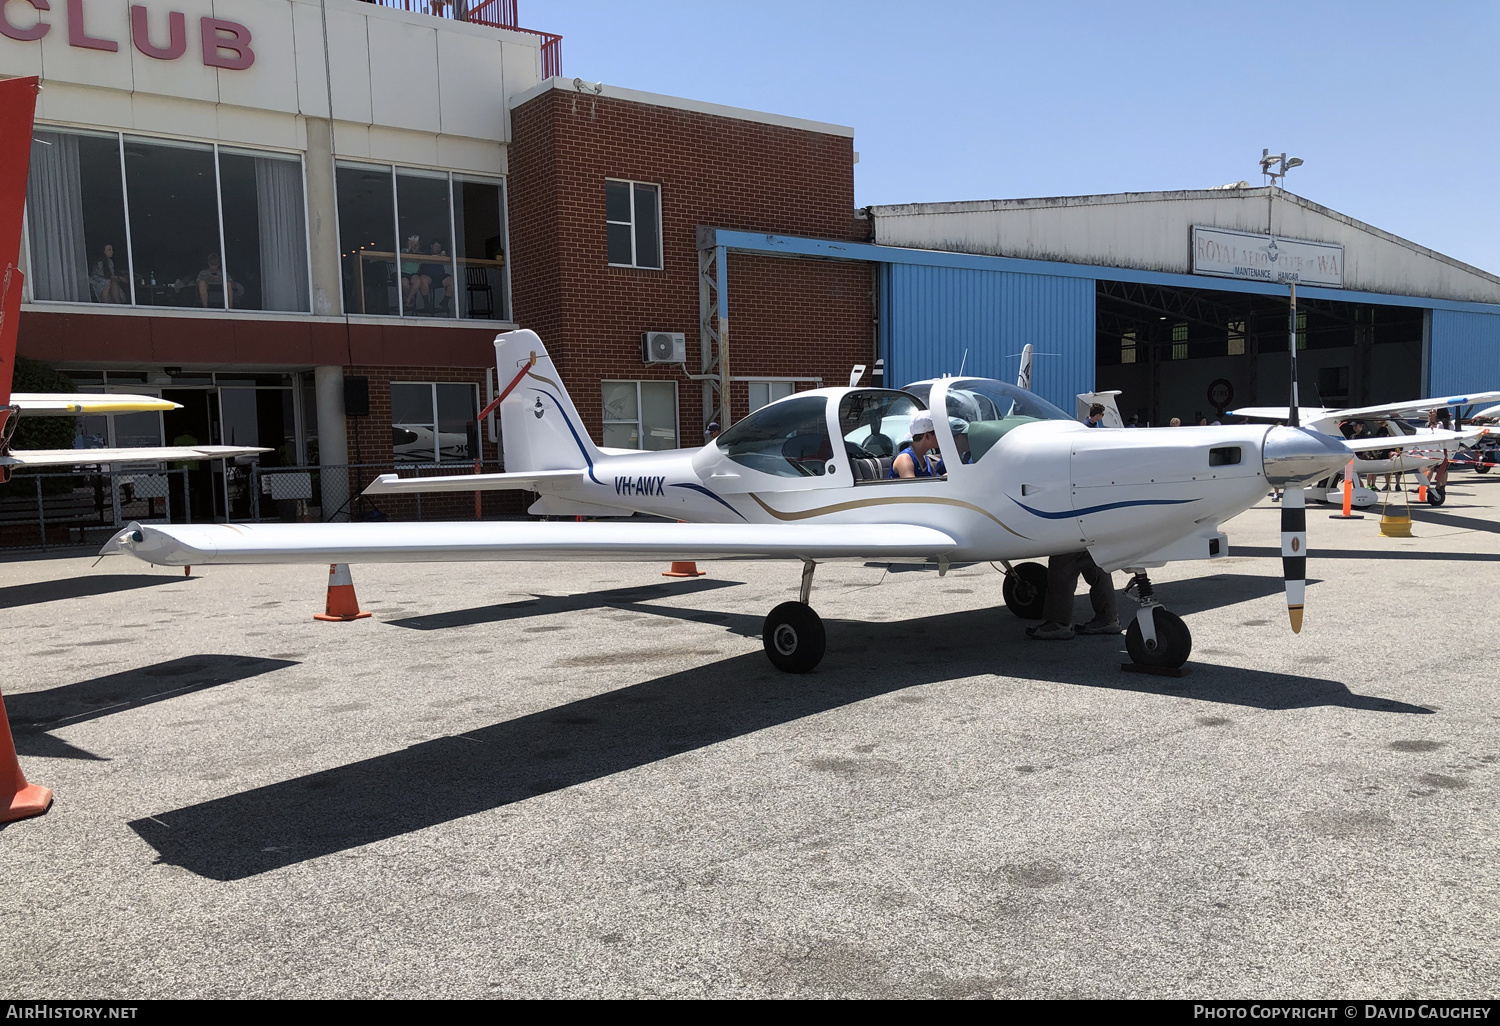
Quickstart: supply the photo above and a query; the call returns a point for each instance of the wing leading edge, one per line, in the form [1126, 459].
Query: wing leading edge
[207, 544]
[91, 457]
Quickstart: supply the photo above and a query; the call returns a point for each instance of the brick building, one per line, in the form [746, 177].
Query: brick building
[314, 256]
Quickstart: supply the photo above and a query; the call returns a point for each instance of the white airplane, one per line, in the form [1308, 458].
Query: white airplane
[1417, 449]
[807, 478]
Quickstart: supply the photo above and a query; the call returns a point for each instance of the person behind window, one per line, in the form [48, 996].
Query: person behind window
[438, 271]
[1096, 415]
[413, 281]
[107, 284]
[916, 460]
[214, 275]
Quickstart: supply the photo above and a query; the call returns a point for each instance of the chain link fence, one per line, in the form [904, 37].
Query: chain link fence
[61, 509]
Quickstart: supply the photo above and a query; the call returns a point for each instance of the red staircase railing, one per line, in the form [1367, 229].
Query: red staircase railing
[494, 13]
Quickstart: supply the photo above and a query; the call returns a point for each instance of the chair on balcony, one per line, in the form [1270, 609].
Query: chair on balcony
[477, 280]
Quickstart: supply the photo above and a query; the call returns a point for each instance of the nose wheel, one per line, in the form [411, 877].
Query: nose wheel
[1156, 639]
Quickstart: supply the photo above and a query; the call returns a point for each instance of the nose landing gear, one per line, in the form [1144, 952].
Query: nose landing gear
[1157, 640]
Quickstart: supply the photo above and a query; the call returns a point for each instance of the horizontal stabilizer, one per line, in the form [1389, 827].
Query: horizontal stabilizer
[90, 457]
[63, 404]
[206, 544]
[526, 481]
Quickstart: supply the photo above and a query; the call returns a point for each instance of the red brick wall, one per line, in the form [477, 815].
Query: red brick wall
[788, 317]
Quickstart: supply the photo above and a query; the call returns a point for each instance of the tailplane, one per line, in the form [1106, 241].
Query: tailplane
[540, 427]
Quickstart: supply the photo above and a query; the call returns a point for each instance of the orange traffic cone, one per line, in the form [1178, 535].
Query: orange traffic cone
[342, 606]
[18, 799]
[1421, 493]
[687, 569]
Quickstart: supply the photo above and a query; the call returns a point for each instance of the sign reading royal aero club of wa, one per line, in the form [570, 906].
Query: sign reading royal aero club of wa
[1230, 254]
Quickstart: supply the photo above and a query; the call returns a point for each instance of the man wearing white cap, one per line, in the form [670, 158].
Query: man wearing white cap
[914, 461]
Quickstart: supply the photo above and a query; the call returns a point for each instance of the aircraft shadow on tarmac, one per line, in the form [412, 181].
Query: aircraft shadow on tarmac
[16, 595]
[33, 714]
[545, 605]
[283, 824]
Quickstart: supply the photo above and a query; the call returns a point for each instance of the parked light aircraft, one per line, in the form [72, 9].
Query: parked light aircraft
[806, 478]
[1417, 449]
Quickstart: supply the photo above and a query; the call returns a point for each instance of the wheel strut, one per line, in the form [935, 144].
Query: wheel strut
[808, 566]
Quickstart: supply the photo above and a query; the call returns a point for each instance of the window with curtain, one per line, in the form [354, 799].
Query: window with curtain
[265, 229]
[84, 188]
[75, 207]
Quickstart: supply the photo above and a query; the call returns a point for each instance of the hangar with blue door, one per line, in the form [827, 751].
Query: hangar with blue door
[1177, 299]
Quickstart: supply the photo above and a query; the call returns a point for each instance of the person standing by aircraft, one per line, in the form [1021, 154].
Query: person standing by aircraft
[916, 460]
[1063, 572]
[1096, 416]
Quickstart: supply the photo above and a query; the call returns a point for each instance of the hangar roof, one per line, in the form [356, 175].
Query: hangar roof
[1152, 231]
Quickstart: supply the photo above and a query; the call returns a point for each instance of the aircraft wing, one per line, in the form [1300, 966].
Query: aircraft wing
[1307, 414]
[207, 544]
[89, 457]
[1418, 405]
[394, 484]
[63, 404]
[1426, 440]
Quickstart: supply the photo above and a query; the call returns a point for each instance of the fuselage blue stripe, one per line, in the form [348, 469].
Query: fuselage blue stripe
[1065, 514]
[711, 495]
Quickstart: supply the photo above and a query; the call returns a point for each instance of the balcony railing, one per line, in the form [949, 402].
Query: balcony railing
[494, 13]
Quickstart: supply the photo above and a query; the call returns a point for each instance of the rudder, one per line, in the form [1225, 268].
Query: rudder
[540, 427]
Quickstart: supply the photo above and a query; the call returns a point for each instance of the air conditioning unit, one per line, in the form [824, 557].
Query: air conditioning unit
[663, 347]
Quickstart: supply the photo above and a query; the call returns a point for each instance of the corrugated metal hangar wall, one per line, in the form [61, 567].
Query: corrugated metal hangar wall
[1464, 352]
[937, 320]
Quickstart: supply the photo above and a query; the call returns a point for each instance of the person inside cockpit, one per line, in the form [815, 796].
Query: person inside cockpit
[919, 459]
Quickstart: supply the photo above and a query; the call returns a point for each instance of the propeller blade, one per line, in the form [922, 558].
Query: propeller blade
[1294, 550]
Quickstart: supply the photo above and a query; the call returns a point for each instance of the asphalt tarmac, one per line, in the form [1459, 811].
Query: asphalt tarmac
[586, 780]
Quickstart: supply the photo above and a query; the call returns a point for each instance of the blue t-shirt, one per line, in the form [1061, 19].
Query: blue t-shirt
[924, 466]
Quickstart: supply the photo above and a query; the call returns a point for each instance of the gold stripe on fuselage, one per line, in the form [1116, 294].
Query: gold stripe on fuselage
[839, 507]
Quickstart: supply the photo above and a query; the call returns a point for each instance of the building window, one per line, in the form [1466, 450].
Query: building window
[763, 393]
[640, 414]
[420, 243]
[133, 221]
[632, 216]
[1236, 338]
[430, 421]
[1180, 341]
[1127, 347]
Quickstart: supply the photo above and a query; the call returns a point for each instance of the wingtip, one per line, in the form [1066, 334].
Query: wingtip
[1295, 612]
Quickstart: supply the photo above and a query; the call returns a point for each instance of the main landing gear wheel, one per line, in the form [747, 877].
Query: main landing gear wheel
[1025, 590]
[1481, 469]
[794, 638]
[1174, 643]
[1436, 495]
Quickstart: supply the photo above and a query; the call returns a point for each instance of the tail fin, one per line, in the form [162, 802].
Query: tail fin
[1023, 375]
[540, 427]
[17, 106]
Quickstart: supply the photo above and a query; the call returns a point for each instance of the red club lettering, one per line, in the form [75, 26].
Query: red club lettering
[35, 31]
[140, 34]
[219, 36]
[78, 36]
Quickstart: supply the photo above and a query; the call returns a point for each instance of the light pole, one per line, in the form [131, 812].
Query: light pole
[1269, 162]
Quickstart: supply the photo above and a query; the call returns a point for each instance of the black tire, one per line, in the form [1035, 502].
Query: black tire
[1025, 590]
[1436, 495]
[1174, 642]
[793, 637]
[1480, 468]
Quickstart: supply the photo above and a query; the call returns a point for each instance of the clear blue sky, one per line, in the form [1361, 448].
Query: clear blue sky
[1395, 107]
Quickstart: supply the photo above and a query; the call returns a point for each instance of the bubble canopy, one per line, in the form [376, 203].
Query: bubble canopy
[981, 411]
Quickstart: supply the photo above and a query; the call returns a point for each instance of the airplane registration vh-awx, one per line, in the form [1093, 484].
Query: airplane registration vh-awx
[808, 478]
